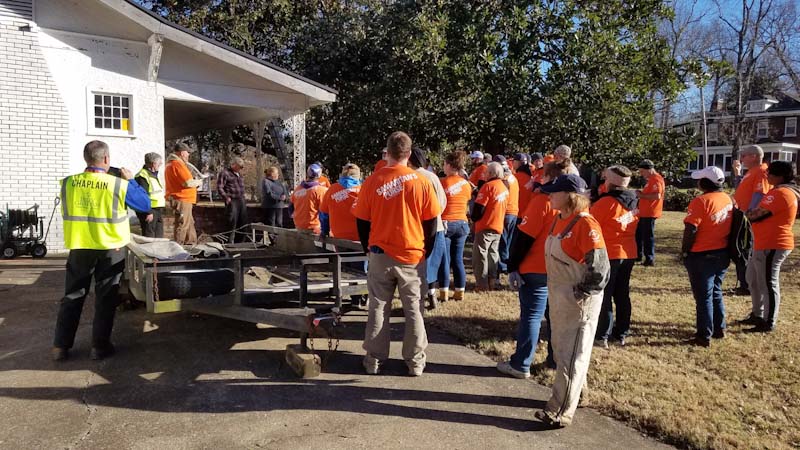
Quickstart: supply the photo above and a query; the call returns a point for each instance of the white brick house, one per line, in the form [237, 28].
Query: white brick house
[76, 70]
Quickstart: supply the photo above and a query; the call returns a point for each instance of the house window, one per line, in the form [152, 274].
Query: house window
[112, 112]
[790, 130]
[713, 132]
[763, 129]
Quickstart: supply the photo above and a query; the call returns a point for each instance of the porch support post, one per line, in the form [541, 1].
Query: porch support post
[296, 125]
[258, 134]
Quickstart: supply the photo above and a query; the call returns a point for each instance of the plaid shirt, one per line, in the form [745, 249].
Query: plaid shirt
[230, 185]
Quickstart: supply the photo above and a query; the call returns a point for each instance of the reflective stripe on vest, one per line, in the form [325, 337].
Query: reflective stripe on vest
[94, 211]
[154, 189]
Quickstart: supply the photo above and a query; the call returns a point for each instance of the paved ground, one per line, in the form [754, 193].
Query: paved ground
[188, 381]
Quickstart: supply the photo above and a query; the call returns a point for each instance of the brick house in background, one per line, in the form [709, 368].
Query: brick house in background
[76, 70]
[771, 122]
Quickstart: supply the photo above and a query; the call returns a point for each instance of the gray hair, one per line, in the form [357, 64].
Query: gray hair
[494, 170]
[238, 161]
[95, 151]
[152, 158]
[752, 150]
[180, 146]
[563, 150]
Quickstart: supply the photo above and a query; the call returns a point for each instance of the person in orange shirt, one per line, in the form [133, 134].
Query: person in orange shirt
[651, 203]
[335, 210]
[705, 252]
[616, 211]
[476, 177]
[181, 192]
[323, 179]
[522, 171]
[749, 191]
[561, 153]
[488, 213]
[396, 215]
[528, 274]
[537, 170]
[382, 162]
[772, 222]
[306, 199]
[512, 211]
[458, 191]
[577, 271]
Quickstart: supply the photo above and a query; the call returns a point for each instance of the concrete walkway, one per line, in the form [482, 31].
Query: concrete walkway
[188, 381]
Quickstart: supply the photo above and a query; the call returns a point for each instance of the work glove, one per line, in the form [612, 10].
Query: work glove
[515, 280]
[194, 183]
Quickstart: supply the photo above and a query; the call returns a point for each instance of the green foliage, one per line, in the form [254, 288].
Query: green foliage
[676, 199]
[499, 75]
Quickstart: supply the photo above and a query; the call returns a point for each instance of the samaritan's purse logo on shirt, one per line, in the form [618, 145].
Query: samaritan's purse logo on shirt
[342, 195]
[300, 193]
[627, 218]
[722, 215]
[769, 199]
[594, 235]
[456, 188]
[395, 186]
[501, 196]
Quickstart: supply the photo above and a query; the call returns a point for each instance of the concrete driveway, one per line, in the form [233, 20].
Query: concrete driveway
[188, 381]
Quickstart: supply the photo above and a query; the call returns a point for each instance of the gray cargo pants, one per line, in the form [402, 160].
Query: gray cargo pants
[763, 276]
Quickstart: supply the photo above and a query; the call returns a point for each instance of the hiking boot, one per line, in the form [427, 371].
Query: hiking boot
[443, 295]
[648, 263]
[492, 284]
[547, 419]
[762, 327]
[505, 368]
[432, 303]
[751, 320]
[743, 291]
[601, 343]
[59, 354]
[699, 342]
[719, 334]
[458, 296]
[102, 352]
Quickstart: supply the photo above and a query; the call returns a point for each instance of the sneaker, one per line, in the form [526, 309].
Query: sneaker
[417, 370]
[751, 320]
[545, 417]
[59, 354]
[103, 352]
[621, 341]
[505, 368]
[371, 366]
[601, 343]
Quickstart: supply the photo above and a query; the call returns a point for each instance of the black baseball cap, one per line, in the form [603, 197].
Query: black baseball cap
[565, 183]
[536, 156]
[522, 157]
[646, 164]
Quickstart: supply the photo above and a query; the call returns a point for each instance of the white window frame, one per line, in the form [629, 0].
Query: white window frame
[91, 130]
[763, 125]
[713, 132]
[793, 122]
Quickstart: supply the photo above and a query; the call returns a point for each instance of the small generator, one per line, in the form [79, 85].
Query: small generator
[22, 233]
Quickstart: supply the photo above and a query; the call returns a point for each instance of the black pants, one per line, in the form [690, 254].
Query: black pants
[155, 228]
[106, 267]
[617, 292]
[236, 211]
[273, 217]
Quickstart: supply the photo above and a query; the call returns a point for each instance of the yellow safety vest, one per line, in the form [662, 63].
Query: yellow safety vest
[94, 211]
[154, 188]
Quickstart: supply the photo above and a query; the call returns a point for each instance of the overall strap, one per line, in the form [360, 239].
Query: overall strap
[569, 226]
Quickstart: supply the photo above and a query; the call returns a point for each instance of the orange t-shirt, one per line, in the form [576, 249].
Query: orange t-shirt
[524, 192]
[548, 158]
[619, 227]
[324, 181]
[458, 192]
[396, 200]
[602, 189]
[493, 195]
[380, 164]
[477, 174]
[337, 203]
[536, 221]
[175, 174]
[584, 236]
[513, 196]
[306, 206]
[652, 208]
[755, 180]
[775, 232]
[712, 214]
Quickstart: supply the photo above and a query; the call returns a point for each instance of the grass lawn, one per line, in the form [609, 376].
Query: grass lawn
[743, 392]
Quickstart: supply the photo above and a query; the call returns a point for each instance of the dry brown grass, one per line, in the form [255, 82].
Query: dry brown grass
[743, 392]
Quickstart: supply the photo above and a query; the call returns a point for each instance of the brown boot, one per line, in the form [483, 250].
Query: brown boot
[458, 295]
[492, 284]
[443, 295]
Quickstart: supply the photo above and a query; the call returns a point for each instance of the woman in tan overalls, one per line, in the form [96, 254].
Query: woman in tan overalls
[577, 271]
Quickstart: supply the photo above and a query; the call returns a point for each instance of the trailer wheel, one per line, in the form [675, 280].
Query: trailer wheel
[195, 283]
[39, 251]
[9, 251]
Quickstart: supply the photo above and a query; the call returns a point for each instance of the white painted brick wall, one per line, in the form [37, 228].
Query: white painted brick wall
[34, 140]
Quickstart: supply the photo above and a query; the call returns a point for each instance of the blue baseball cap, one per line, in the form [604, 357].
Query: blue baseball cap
[314, 171]
[565, 183]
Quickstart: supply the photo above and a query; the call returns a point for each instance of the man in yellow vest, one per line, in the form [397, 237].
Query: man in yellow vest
[94, 206]
[152, 221]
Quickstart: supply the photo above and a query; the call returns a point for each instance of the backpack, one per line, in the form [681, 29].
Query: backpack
[740, 240]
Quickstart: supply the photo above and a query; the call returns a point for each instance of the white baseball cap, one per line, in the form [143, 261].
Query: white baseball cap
[711, 173]
[476, 154]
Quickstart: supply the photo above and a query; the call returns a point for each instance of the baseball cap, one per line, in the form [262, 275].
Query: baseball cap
[314, 171]
[476, 154]
[522, 157]
[180, 147]
[711, 173]
[646, 164]
[536, 156]
[565, 183]
[500, 159]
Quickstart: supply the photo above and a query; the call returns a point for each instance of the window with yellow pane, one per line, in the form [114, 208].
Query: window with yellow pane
[112, 112]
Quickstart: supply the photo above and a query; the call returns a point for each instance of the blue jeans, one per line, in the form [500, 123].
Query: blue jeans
[509, 223]
[454, 239]
[436, 259]
[617, 292]
[532, 303]
[646, 238]
[706, 273]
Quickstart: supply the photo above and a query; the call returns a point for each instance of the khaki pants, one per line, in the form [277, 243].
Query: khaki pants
[384, 275]
[184, 222]
[573, 325]
[485, 257]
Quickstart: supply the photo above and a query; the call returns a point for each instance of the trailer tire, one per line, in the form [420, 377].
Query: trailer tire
[39, 251]
[195, 283]
[9, 251]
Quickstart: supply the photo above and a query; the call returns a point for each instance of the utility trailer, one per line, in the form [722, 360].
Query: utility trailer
[293, 280]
